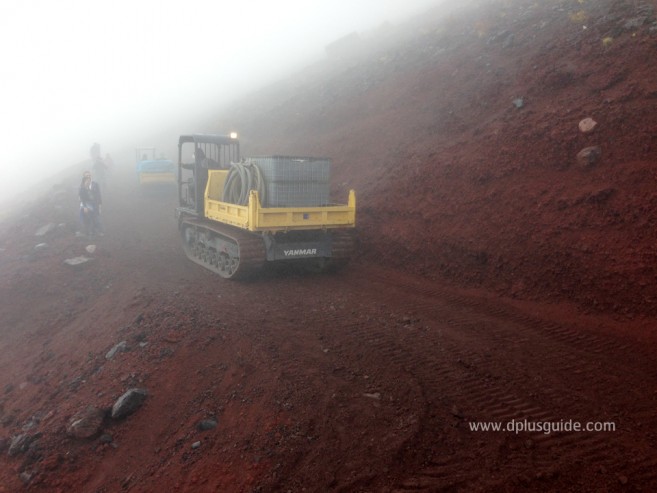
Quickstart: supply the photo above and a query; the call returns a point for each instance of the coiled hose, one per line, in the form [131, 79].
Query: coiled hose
[242, 178]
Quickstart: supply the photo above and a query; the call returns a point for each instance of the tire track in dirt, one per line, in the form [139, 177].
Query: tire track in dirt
[315, 381]
[455, 363]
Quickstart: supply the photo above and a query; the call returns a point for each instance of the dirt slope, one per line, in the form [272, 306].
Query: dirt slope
[455, 181]
[497, 281]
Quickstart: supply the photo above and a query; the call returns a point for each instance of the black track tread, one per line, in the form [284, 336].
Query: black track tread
[342, 245]
[252, 255]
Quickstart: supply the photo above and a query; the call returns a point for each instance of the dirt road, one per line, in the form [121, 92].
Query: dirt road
[367, 380]
[460, 135]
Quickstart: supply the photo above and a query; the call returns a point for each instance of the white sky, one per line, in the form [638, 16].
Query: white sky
[73, 72]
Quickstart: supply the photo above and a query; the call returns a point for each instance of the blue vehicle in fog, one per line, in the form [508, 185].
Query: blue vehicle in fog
[152, 170]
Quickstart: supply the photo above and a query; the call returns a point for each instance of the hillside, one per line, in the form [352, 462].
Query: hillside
[499, 279]
[456, 181]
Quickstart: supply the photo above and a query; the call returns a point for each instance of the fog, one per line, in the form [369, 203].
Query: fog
[75, 72]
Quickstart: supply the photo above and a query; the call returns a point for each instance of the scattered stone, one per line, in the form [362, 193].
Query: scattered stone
[456, 412]
[126, 481]
[120, 347]
[506, 38]
[589, 156]
[76, 262]
[44, 230]
[90, 248]
[31, 423]
[106, 438]
[26, 476]
[140, 337]
[636, 23]
[172, 338]
[587, 125]
[166, 352]
[74, 384]
[20, 444]
[40, 247]
[375, 395]
[207, 424]
[508, 41]
[196, 445]
[128, 403]
[519, 103]
[85, 423]
[600, 196]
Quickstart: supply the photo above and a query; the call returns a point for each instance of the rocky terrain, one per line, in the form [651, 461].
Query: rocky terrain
[504, 160]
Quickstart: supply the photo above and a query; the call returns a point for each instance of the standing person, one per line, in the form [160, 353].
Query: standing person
[94, 151]
[90, 206]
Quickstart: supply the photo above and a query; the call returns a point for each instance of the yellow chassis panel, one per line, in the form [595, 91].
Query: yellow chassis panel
[147, 178]
[254, 217]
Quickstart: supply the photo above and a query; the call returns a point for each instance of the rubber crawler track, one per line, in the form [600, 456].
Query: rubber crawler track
[252, 255]
[251, 248]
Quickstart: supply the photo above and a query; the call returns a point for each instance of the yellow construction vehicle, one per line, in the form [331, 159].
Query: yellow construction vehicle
[236, 214]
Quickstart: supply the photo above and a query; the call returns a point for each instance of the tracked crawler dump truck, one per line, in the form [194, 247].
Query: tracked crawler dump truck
[235, 215]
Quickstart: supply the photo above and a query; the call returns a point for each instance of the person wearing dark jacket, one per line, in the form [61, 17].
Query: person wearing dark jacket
[90, 206]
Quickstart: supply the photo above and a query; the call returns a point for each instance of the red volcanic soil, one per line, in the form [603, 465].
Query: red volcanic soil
[498, 280]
